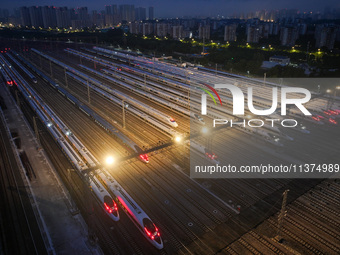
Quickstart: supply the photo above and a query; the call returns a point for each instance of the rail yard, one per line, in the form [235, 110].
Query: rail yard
[145, 114]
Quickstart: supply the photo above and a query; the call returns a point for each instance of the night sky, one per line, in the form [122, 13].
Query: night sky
[174, 8]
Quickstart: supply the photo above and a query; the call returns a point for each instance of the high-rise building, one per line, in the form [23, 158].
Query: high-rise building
[63, 17]
[116, 15]
[162, 29]
[288, 36]
[82, 13]
[114, 9]
[253, 33]
[4, 14]
[325, 36]
[147, 28]
[108, 15]
[230, 32]
[204, 32]
[127, 12]
[25, 16]
[98, 19]
[134, 27]
[36, 16]
[177, 32]
[49, 16]
[151, 13]
[108, 10]
[302, 28]
[140, 13]
[82, 18]
[264, 30]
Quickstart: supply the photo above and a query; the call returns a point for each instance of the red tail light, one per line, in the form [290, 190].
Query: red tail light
[333, 112]
[211, 156]
[147, 231]
[333, 121]
[109, 209]
[144, 157]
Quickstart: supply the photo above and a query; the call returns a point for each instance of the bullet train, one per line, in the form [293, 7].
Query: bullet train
[272, 135]
[158, 91]
[195, 104]
[57, 129]
[162, 70]
[5, 71]
[141, 220]
[194, 101]
[104, 198]
[150, 120]
[127, 142]
[152, 111]
[100, 181]
[155, 98]
[144, 107]
[203, 152]
[32, 77]
[6, 78]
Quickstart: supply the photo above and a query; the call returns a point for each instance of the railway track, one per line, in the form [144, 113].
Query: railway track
[19, 230]
[171, 199]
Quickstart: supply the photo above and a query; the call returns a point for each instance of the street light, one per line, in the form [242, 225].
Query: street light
[204, 130]
[109, 160]
[178, 139]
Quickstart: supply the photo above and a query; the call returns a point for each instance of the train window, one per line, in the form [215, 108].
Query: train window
[149, 225]
[108, 200]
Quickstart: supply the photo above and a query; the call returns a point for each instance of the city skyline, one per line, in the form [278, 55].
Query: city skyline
[165, 9]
